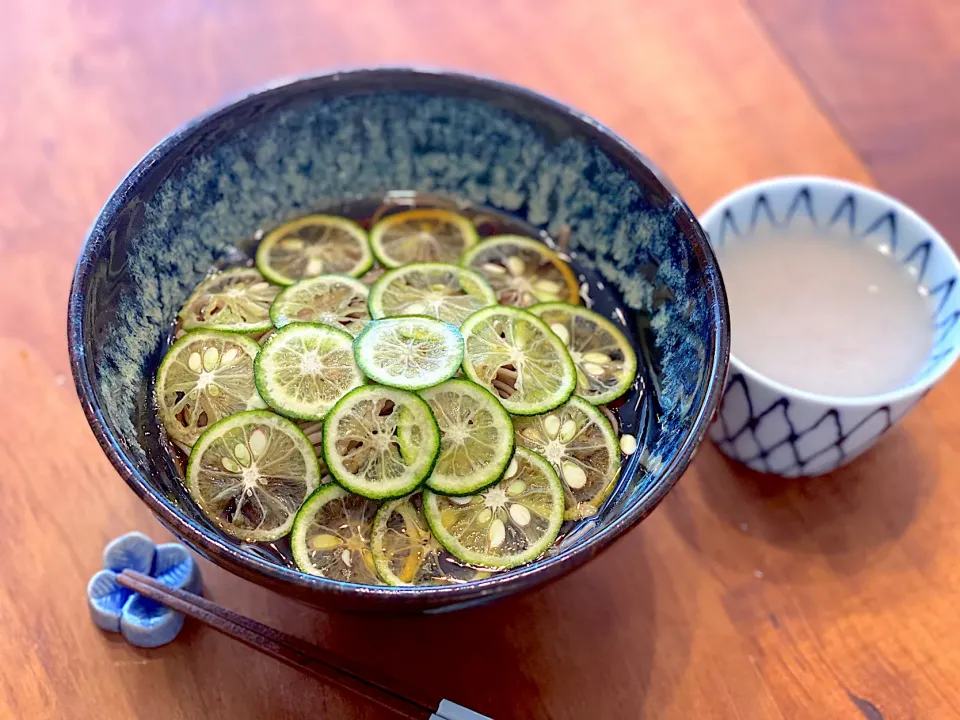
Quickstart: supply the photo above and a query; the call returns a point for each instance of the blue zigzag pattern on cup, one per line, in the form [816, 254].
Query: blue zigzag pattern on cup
[794, 438]
[846, 212]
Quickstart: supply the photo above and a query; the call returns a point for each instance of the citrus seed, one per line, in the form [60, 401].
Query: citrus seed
[547, 286]
[532, 434]
[211, 356]
[568, 430]
[593, 368]
[520, 515]
[258, 442]
[628, 444]
[511, 469]
[230, 465]
[552, 425]
[241, 453]
[229, 356]
[194, 362]
[514, 265]
[498, 533]
[561, 332]
[516, 487]
[493, 268]
[324, 542]
[597, 357]
[573, 475]
[484, 517]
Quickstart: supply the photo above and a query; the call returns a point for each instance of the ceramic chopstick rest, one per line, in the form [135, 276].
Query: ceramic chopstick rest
[143, 622]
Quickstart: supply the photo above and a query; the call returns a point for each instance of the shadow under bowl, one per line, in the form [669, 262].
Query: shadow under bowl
[324, 140]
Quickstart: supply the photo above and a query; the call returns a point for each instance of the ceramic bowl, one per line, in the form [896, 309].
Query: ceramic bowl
[777, 429]
[320, 141]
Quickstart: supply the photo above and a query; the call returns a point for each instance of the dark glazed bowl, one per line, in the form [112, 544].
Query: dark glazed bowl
[320, 140]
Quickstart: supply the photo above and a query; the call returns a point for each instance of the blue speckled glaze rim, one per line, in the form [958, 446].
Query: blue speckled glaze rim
[363, 597]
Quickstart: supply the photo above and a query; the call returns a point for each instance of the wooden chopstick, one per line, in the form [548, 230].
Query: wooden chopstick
[286, 648]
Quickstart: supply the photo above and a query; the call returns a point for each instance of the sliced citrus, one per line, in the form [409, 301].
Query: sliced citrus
[314, 245]
[580, 444]
[304, 368]
[409, 352]
[523, 271]
[476, 437]
[606, 362]
[508, 524]
[515, 355]
[313, 429]
[362, 449]
[405, 551]
[445, 292]
[331, 536]
[336, 300]
[236, 300]
[250, 473]
[204, 377]
[425, 235]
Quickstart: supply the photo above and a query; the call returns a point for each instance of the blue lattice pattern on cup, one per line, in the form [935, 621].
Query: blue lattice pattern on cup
[773, 429]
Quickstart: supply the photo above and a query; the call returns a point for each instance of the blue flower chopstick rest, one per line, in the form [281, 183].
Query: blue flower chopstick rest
[143, 622]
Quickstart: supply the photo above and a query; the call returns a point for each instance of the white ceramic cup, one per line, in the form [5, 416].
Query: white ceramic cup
[773, 428]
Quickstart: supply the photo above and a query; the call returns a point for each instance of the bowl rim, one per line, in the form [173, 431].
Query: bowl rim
[864, 402]
[274, 575]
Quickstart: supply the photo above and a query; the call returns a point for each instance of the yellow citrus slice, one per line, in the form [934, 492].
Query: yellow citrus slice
[331, 536]
[314, 245]
[236, 300]
[523, 271]
[424, 235]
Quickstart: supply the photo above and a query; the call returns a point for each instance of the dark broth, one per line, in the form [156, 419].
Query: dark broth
[634, 411]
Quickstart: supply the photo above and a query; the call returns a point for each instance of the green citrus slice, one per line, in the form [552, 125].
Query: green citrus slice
[314, 245]
[204, 377]
[304, 368]
[606, 362]
[236, 300]
[508, 524]
[409, 352]
[580, 444]
[405, 551]
[424, 235]
[362, 449]
[476, 437]
[335, 300]
[523, 271]
[250, 473]
[331, 534]
[313, 429]
[445, 292]
[515, 355]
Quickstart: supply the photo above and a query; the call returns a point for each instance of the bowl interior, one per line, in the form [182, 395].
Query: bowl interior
[846, 212]
[326, 140]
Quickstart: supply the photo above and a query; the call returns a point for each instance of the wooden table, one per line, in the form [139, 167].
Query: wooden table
[741, 597]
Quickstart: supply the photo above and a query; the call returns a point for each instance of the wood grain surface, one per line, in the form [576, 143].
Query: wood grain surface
[741, 597]
[887, 73]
